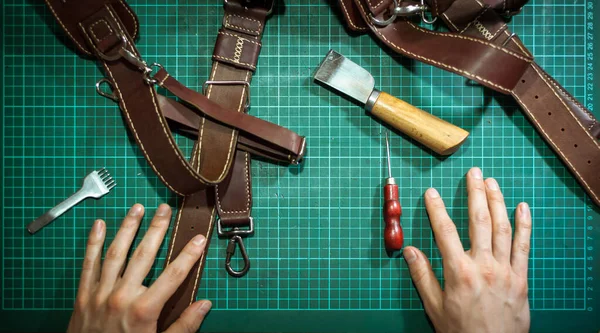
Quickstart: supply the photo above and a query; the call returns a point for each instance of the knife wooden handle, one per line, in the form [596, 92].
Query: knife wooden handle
[433, 132]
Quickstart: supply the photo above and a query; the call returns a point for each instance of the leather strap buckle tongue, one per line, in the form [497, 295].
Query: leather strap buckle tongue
[235, 235]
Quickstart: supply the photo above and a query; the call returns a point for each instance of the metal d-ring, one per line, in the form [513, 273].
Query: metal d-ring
[112, 96]
[383, 23]
[424, 18]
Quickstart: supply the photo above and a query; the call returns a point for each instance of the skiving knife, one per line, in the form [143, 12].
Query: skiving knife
[354, 81]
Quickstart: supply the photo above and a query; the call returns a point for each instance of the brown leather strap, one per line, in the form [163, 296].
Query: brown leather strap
[567, 126]
[484, 50]
[235, 56]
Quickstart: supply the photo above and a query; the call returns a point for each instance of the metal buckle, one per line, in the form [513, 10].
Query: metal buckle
[300, 156]
[404, 11]
[235, 231]
[124, 53]
[236, 235]
[230, 82]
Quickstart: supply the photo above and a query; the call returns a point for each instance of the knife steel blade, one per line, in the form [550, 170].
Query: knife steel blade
[345, 76]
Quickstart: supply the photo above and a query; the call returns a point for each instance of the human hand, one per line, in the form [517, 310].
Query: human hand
[113, 299]
[485, 287]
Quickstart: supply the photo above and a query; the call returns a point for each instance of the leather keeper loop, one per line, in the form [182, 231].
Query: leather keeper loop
[247, 20]
[236, 50]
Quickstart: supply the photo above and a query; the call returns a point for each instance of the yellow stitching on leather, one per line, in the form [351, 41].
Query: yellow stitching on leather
[239, 47]
[160, 119]
[227, 23]
[116, 85]
[203, 256]
[247, 175]
[175, 231]
[163, 80]
[566, 107]
[247, 40]
[450, 21]
[95, 24]
[362, 9]
[349, 19]
[65, 28]
[518, 45]
[377, 5]
[555, 146]
[485, 32]
[200, 137]
[233, 60]
[135, 21]
[473, 40]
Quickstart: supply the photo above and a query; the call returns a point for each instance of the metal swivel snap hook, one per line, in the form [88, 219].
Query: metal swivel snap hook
[231, 251]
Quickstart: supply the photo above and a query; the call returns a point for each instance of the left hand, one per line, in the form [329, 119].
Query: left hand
[113, 299]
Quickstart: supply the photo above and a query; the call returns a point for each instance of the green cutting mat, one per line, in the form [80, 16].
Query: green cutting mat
[317, 257]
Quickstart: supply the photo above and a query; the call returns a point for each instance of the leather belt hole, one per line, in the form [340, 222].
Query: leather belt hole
[589, 162]
[562, 129]
[522, 81]
[575, 145]
[192, 227]
[197, 207]
[549, 113]
[536, 96]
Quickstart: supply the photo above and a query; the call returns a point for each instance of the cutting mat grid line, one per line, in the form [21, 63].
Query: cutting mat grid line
[318, 243]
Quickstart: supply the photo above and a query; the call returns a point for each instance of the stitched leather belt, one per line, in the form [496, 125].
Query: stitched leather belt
[483, 50]
[216, 180]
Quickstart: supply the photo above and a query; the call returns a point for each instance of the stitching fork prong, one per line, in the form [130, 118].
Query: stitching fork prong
[112, 186]
[102, 172]
[109, 182]
[105, 177]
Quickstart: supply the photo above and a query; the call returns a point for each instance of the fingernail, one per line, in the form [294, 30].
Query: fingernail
[136, 210]
[410, 255]
[204, 308]
[524, 209]
[199, 240]
[163, 210]
[97, 227]
[492, 184]
[476, 173]
[432, 193]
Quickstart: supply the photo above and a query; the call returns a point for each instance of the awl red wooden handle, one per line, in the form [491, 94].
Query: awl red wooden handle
[392, 235]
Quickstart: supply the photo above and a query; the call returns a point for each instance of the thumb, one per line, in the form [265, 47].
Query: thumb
[191, 318]
[424, 279]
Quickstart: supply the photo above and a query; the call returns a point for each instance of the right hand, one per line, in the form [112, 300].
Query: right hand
[486, 286]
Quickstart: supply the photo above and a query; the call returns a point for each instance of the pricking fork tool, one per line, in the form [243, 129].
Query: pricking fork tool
[95, 185]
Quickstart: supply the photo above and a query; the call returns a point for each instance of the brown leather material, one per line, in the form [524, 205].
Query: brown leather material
[236, 50]
[561, 129]
[377, 7]
[189, 122]
[281, 137]
[352, 16]
[452, 52]
[69, 13]
[234, 194]
[566, 125]
[216, 154]
[140, 109]
[196, 215]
